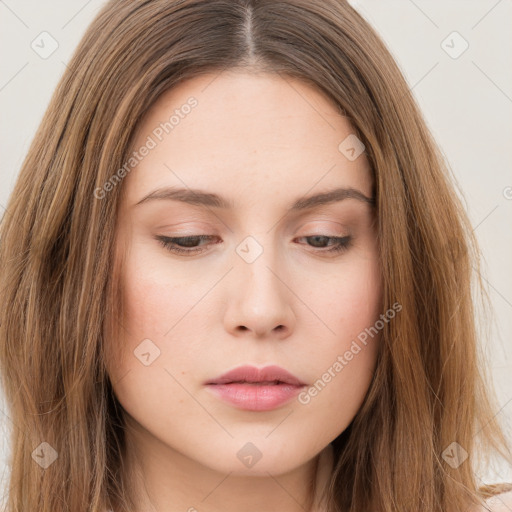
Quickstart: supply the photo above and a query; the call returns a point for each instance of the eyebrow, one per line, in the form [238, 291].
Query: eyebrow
[200, 198]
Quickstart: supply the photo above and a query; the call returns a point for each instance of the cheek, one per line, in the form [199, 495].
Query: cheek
[163, 308]
[154, 295]
[360, 307]
[150, 349]
[360, 297]
[349, 300]
[150, 305]
[343, 363]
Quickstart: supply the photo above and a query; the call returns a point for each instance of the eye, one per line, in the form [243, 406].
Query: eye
[340, 243]
[183, 244]
[190, 244]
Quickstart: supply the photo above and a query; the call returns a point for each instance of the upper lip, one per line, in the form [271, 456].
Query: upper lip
[253, 374]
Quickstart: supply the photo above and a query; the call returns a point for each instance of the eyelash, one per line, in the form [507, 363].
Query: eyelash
[169, 243]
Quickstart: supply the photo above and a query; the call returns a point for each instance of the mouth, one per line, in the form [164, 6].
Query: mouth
[269, 375]
[253, 389]
[255, 383]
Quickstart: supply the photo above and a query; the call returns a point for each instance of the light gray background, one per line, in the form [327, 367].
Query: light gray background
[467, 103]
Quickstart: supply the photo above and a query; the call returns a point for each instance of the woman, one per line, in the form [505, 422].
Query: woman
[236, 275]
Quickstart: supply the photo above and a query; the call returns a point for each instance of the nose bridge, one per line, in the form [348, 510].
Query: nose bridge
[259, 301]
[257, 262]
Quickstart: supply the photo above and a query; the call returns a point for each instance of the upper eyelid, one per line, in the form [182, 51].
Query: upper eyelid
[357, 215]
[200, 230]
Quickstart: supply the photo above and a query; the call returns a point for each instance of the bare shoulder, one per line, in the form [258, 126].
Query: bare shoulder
[499, 503]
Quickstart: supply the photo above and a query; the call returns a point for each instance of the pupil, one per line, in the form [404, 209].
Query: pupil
[187, 242]
[317, 238]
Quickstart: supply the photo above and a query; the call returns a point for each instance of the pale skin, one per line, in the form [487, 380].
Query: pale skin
[262, 142]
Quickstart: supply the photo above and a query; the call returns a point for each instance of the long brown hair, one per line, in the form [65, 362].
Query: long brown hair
[58, 283]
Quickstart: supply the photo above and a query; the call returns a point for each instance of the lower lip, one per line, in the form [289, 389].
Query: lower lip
[255, 397]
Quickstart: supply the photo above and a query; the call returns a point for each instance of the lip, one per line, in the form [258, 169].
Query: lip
[256, 389]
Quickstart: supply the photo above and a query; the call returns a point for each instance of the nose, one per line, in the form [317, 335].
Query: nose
[258, 299]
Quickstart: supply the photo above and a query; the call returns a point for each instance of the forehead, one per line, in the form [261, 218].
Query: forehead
[246, 135]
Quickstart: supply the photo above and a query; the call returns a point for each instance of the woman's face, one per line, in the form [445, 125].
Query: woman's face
[266, 286]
